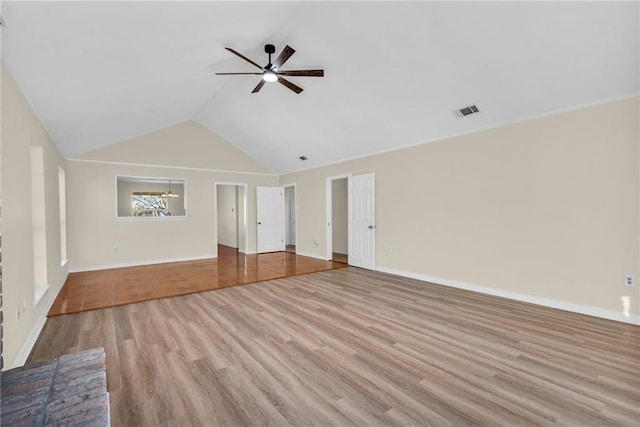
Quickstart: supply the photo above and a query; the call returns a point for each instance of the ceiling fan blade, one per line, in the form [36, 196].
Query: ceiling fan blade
[302, 73]
[284, 56]
[238, 74]
[243, 57]
[257, 88]
[287, 83]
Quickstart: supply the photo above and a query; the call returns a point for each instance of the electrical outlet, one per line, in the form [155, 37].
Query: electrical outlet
[629, 280]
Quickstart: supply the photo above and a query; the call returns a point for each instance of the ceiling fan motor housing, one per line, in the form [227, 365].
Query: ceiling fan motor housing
[269, 48]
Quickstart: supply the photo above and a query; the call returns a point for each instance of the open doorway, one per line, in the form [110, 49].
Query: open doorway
[231, 217]
[290, 207]
[337, 219]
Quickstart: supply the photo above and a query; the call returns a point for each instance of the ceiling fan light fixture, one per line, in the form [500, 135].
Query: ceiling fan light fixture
[272, 72]
[269, 76]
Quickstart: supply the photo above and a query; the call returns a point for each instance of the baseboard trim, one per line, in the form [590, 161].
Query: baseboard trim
[139, 263]
[633, 319]
[311, 255]
[25, 351]
[22, 357]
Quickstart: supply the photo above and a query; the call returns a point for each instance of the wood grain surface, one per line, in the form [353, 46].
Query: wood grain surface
[117, 286]
[353, 347]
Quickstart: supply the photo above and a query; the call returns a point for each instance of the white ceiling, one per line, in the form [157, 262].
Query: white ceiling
[100, 72]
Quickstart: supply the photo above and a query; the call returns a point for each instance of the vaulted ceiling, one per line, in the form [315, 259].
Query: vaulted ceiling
[100, 72]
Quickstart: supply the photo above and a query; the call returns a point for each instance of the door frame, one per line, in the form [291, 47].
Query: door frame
[295, 210]
[240, 215]
[329, 212]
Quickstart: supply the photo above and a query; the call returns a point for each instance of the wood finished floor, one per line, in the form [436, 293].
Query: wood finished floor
[338, 257]
[353, 347]
[107, 288]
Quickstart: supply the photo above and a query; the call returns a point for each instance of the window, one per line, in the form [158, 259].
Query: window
[149, 204]
[62, 196]
[141, 198]
[39, 223]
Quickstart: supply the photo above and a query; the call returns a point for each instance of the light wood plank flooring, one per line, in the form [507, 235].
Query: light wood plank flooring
[352, 347]
[107, 288]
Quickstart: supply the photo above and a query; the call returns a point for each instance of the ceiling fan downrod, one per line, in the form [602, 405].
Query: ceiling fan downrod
[269, 49]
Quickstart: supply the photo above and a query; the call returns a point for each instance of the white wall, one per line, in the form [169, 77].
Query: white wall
[21, 129]
[340, 212]
[547, 208]
[227, 216]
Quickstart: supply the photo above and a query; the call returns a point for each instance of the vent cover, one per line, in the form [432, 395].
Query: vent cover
[466, 111]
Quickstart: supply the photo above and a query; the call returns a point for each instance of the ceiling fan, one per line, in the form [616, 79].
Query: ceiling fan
[271, 72]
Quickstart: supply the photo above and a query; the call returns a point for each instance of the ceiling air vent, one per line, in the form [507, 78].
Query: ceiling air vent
[466, 111]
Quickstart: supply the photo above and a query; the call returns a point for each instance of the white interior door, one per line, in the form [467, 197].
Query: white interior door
[270, 210]
[362, 230]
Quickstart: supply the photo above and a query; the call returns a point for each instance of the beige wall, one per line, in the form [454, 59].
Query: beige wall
[340, 212]
[187, 144]
[227, 216]
[547, 207]
[21, 130]
[94, 230]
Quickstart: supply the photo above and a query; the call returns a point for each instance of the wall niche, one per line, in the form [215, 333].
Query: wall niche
[146, 197]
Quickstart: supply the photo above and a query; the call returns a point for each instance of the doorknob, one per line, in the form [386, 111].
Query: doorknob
[371, 227]
[259, 223]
